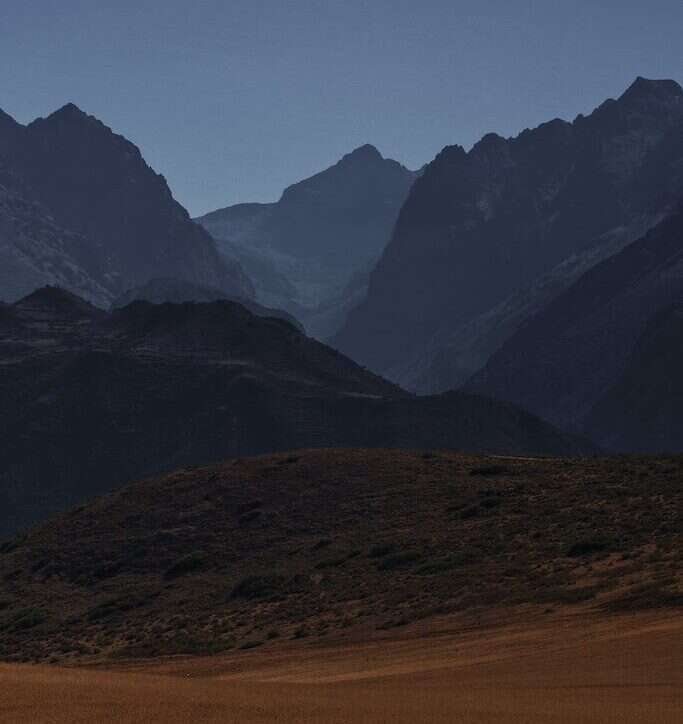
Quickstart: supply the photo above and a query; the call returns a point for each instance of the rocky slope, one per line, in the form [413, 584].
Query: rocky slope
[480, 226]
[303, 250]
[562, 362]
[453, 355]
[642, 410]
[329, 544]
[152, 387]
[35, 250]
[114, 217]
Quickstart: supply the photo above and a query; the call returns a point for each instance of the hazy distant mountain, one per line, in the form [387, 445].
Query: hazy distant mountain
[565, 360]
[303, 250]
[112, 220]
[177, 291]
[479, 228]
[90, 399]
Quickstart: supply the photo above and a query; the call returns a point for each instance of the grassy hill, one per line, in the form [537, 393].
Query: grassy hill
[329, 545]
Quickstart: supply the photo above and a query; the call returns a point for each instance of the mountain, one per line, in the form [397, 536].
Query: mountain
[90, 400]
[356, 545]
[563, 361]
[34, 250]
[113, 216]
[177, 291]
[303, 250]
[642, 410]
[479, 227]
[453, 354]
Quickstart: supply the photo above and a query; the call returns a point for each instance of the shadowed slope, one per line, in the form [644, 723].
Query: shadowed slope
[336, 545]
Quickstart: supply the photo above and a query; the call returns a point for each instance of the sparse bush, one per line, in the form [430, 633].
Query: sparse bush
[191, 563]
[255, 587]
[379, 551]
[249, 517]
[443, 565]
[398, 560]
[248, 507]
[331, 563]
[587, 547]
[25, 619]
[471, 511]
[489, 471]
[251, 644]
[300, 633]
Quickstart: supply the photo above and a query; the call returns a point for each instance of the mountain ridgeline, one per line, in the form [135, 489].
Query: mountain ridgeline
[304, 250]
[487, 238]
[80, 208]
[153, 387]
[571, 361]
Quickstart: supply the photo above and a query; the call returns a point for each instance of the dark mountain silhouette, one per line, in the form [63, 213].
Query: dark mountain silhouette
[177, 291]
[90, 400]
[566, 358]
[642, 410]
[480, 227]
[303, 250]
[114, 216]
[449, 358]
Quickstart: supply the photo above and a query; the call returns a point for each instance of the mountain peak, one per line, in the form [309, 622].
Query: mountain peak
[58, 300]
[71, 113]
[70, 109]
[367, 152]
[645, 88]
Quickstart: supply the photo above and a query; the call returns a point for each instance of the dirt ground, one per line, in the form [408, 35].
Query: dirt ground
[571, 668]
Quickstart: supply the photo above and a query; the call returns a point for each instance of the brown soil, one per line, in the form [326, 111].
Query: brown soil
[573, 668]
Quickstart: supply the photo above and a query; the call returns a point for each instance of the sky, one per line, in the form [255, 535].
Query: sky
[234, 100]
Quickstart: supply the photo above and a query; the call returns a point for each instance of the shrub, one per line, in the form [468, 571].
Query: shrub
[25, 619]
[191, 563]
[379, 551]
[251, 644]
[398, 560]
[248, 507]
[249, 517]
[331, 563]
[442, 565]
[488, 471]
[255, 587]
[300, 632]
[587, 547]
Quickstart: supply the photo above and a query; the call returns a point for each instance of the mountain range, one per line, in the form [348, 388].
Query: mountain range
[90, 400]
[324, 233]
[488, 238]
[80, 208]
[572, 361]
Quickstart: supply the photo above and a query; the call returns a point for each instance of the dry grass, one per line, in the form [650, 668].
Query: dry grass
[613, 670]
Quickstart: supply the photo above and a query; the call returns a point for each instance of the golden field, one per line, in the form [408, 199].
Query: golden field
[570, 668]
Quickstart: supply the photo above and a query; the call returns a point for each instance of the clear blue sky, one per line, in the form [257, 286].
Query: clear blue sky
[233, 100]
